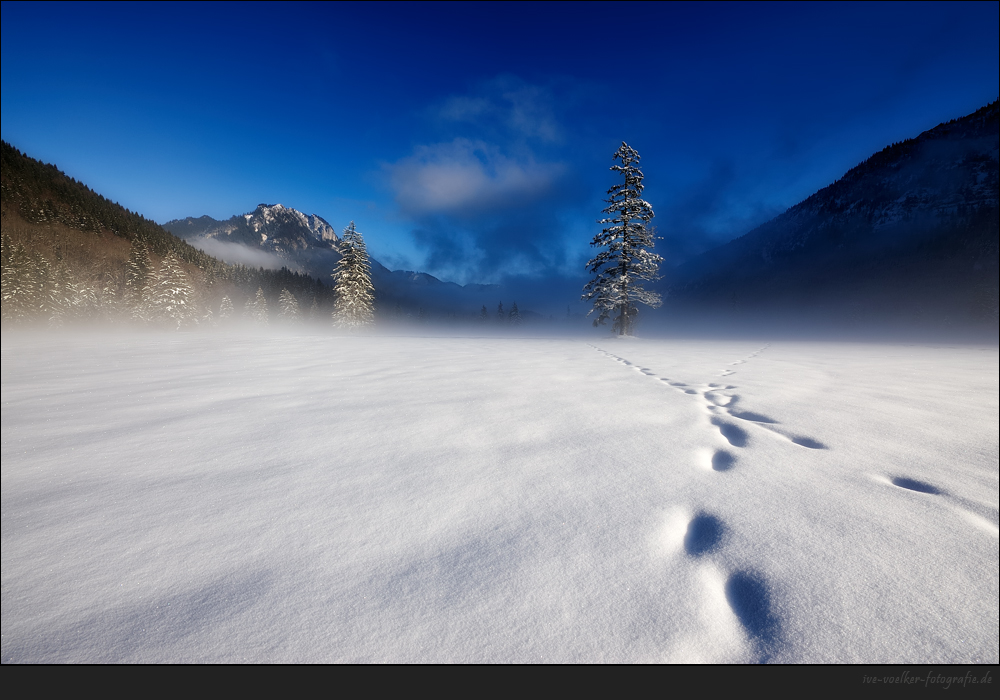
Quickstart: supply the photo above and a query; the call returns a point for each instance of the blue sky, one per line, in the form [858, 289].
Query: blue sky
[474, 141]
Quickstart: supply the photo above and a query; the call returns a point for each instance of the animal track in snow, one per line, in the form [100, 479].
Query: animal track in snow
[727, 372]
[750, 599]
[981, 516]
[914, 485]
[736, 435]
[720, 404]
[704, 533]
[747, 593]
[751, 416]
[803, 441]
[800, 440]
[723, 461]
[717, 398]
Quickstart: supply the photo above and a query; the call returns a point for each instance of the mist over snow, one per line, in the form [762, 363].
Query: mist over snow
[318, 498]
[238, 254]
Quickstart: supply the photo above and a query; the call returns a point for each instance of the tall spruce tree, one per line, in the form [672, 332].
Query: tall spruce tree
[352, 283]
[625, 260]
[136, 270]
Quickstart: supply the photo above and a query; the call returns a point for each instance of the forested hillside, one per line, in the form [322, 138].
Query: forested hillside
[70, 254]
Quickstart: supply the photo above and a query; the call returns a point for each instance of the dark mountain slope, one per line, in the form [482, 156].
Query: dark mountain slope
[40, 193]
[911, 232]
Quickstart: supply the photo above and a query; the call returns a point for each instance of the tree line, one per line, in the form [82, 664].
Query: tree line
[70, 254]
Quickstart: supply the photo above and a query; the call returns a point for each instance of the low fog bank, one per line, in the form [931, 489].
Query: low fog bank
[237, 254]
[815, 322]
[666, 323]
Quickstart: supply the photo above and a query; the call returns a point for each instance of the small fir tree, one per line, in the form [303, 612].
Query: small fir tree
[136, 274]
[256, 308]
[226, 309]
[515, 316]
[484, 315]
[626, 260]
[170, 296]
[352, 283]
[288, 307]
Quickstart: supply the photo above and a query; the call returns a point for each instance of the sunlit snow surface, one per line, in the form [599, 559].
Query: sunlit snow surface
[318, 498]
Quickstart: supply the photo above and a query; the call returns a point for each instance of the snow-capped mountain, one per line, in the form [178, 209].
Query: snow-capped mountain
[273, 235]
[272, 227]
[913, 229]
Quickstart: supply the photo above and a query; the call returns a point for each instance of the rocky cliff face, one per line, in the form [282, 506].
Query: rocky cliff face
[272, 227]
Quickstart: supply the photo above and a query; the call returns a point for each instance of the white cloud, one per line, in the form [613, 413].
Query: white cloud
[239, 254]
[468, 176]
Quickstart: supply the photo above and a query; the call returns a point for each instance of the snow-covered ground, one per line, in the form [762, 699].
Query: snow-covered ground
[318, 498]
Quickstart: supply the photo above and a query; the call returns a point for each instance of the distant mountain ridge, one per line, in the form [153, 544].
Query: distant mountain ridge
[913, 229]
[272, 227]
[308, 243]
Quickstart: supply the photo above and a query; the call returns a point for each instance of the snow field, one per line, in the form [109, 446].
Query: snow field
[317, 498]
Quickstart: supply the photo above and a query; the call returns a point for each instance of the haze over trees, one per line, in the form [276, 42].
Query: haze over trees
[70, 255]
[909, 236]
[626, 260]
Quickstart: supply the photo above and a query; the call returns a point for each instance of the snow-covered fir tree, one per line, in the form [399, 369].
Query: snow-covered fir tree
[626, 259]
[352, 283]
[226, 309]
[484, 315]
[288, 307]
[56, 298]
[170, 295]
[18, 283]
[30, 288]
[256, 308]
[501, 316]
[81, 297]
[514, 318]
[136, 274]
